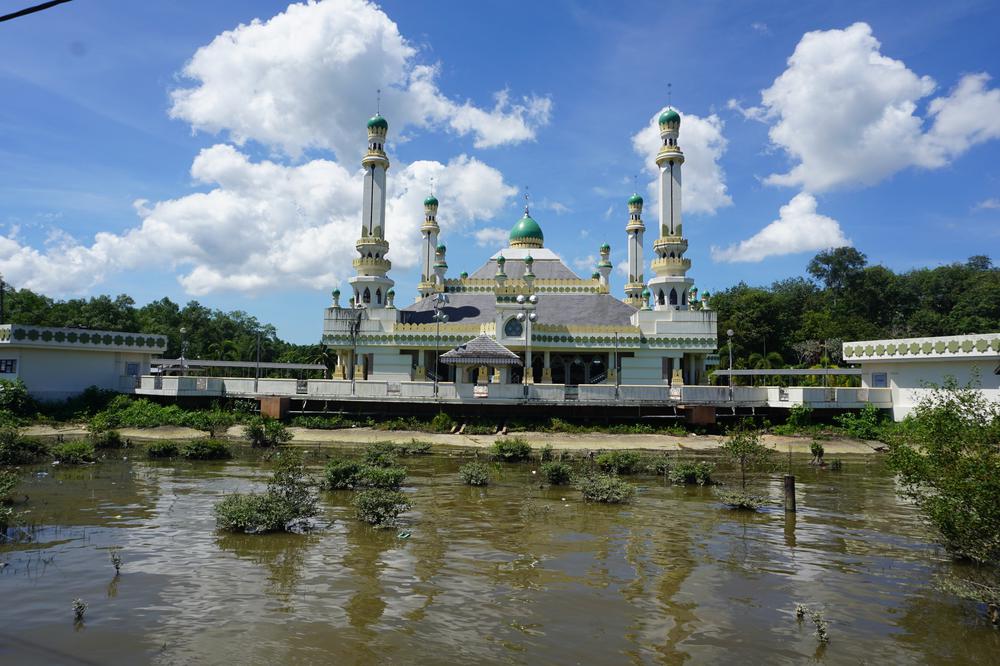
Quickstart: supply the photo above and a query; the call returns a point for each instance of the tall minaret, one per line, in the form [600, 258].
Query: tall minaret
[430, 231]
[371, 283]
[635, 228]
[669, 287]
[604, 266]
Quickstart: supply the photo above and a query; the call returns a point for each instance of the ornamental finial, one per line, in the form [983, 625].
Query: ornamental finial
[526, 200]
[378, 102]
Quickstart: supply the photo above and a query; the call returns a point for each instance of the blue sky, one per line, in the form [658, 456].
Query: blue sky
[143, 151]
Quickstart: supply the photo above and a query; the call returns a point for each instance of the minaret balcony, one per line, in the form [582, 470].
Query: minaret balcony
[429, 225]
[372, 266]
[668, 153]
[372, 244]
[671, 266]
[377, 157]
[668, 244]
[635, 225]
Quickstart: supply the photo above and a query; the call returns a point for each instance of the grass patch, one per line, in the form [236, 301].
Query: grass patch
[606, 489]
[741, 500]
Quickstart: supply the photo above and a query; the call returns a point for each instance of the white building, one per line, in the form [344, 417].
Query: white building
[566, 329]
[58, 363]
[912, 367]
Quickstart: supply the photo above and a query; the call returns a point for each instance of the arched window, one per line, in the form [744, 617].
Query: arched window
[367, 298]
[673, 297]
[378, 296]
[659, 298]
[684, 298]
[672, 255]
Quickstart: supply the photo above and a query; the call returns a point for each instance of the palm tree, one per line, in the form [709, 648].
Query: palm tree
[771, 361]
[326, 357]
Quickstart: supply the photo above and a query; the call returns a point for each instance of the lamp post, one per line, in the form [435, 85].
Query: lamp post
[359, 312]
[730, 334]
[527, 316]
[183, 332]
[256, 371]
[440, 301]
[618, 372]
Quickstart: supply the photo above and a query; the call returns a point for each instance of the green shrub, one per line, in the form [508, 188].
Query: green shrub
[545, 454]
[266, 432]
[744, 448]
[162, 450]
[380, 454]
[334, 422]
[607, 489]
[619, 462]
[215, 421]
[206, 449]
[741, 500]
[287, 502]
[442, 423]
[557, 473]
[817, 451]
[474, 474]
[340, 474]
[699, 472]
[74, 453]
[799, 416]
[14, 397]
[107, 439]
[414, 448]
[373, 476]
[8, 481]
[657, 464]
[511, 449]
[380, 507]
[869, 423]
[18, 450]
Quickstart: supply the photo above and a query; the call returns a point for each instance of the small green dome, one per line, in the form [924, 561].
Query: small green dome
[391, 292]
[528, 260]
[431, 201]
[605, 247]
[336, 293]
[645, 293]
[670, 116]
[635, 199]
[526, 227]
[441, 248]
[501, 260]
[464, 275]
[595, 275]
[378, 121]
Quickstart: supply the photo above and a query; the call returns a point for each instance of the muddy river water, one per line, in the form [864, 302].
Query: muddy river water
[511, 573]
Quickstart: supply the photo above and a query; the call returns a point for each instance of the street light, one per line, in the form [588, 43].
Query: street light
[527, 318]
[730, 333]
[183, 332]
[359, 311]
[440, 301]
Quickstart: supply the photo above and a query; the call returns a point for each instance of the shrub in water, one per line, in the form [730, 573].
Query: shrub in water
[836, 465]
[380, 507]
[619, 462]
[340, 474]
[74, 453]
[266, 432]
[817, 451]
[8, 481]
[414, 448]
[371, 476]
[691, 472]
[557, 473]
[106, 439]
[206, 449]
[380, 454]
[17, 450]
[659, 465]
[287, 502]
[607, 489]
[545, 455]
[474, 474]
[162, 450]
[740, 499]
[442, 422]
[511, 449]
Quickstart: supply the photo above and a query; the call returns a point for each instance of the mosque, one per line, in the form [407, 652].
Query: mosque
[524, 317]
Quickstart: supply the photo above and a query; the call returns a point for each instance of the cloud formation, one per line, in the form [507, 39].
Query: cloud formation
[703, 144]
[846, 114]
[303, 79]
[799, 228]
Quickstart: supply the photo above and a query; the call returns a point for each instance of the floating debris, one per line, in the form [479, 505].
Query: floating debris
[403, 535]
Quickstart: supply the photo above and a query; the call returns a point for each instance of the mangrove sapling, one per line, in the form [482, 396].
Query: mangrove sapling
[821, 626]
[545, 453]
[474, 474]
[557, 473]
[371, 476]
[619, 462]
[74, 453]
[742, 500]
[162, 450]
[744, 448]
[206, 449]
[8, 481]
[380, 507]
[106, 439]
[414, 448]
[817, 451]
[285, 506]
[380, 454]
[606, 489]
[836, 465]
[18, 450]
[79, 608]
[116, 560]
[266, 432]
[510, 449]
[691, 472]
[340, 474]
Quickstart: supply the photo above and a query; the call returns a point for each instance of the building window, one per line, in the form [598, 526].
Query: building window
[132, 369]
[879, 380]
[513, 328]
[8, 366]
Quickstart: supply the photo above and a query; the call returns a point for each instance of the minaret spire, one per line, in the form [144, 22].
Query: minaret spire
[371, 284]
[635, 230]
[431, 279]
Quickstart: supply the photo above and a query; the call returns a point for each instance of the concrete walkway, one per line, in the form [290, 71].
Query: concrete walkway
[560, 441]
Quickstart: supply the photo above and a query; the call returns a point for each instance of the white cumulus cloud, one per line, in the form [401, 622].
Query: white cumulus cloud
[703, 144]
[490, 236]
[799, 228]
[846, 114]
[306, 78]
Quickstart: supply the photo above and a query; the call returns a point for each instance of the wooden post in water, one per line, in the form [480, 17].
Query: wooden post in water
[789, 493]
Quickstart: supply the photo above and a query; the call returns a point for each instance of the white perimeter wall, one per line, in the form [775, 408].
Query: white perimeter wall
[56, 374]
[907, 379]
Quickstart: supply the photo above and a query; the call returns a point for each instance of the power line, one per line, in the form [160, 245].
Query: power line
[32, 10]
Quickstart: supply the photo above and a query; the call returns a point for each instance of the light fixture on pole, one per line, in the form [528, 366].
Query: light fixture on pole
[730, 334]
[355, 331]
[440, 301]
[183, 332]
[527, 316]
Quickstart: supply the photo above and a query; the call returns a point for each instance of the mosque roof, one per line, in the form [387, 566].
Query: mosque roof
[553, 309]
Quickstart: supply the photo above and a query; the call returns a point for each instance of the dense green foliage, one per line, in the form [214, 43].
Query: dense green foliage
[474, 474]
[510, 449]
[18, 450]
[606, 488]
[74, 453]
[619, 462]
[287, 502]
[340, 474]
[870, 423]
[266, 432]
[374, 476]
[8, 481]
[14, 397]
[380, 454]
[741, 499]
[557, 473]
[206, 449]
[847, 299]
[380, 507]
[691, 472]
[162, 450]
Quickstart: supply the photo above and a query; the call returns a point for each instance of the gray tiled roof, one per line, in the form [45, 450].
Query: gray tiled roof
[547, 269]
[552, 309]
[481, 350]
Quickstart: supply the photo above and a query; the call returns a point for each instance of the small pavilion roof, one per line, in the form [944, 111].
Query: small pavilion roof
[481, 350]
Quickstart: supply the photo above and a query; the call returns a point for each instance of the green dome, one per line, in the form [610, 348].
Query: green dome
[645, 293]
[670, 116]
[378, 121]
[431, 201]
[605, 247]
[595, 275]
[441, 247]
[528, 260]
[501, 260]
[526, 227]
[635, 199]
